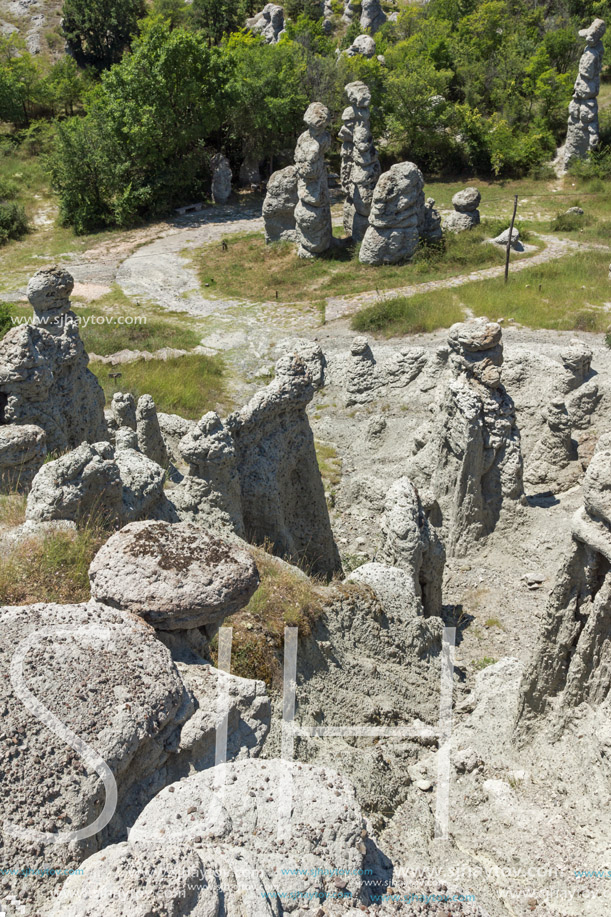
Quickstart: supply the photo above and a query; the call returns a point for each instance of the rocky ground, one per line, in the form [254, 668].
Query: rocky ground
[522, 819]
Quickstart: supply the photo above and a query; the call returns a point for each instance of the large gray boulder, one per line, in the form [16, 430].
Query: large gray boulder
[22, 454]
[279, 206]
[466, 213]
[372, 15]
[363, 45]
[44, 379]
[176, 577]
[583, 132]
[95, 483]
[313, 211]
[269, 23]
[360, 164]
[397, 216]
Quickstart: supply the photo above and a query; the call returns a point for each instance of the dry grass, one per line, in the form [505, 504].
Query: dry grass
[12, 510]
[51, 568]
[285, 598]
[329, 464]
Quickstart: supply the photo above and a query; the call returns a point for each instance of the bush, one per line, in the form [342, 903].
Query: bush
[13, 221]
[596, 166]
[569, 222]
[5, 318]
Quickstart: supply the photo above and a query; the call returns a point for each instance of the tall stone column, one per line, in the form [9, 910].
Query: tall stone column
[313, 211]
[360, 164]
[583, 133]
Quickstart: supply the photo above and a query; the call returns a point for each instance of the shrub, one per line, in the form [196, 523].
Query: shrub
[13, 221]
[5, 318]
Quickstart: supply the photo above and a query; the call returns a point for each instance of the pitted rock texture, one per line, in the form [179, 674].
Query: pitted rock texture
[472, 462]
[313, 210]
[123, 410]
[283, 500]
[360, 164]
[221, 179]
[22, 454]
[150, 439]
[397, 216]
[279, 206]
[269, 23]
[431, 228]
[95, 483]
[44, 379]
[572, 664]
[210, 492]
[466, 213]
[176, 577]
[554, 452]
[583, 132]
[412, 542]
[200, 815]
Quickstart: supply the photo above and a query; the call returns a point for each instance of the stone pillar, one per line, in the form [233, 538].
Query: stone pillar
[583, 129]
[360, 163]
[313, 212]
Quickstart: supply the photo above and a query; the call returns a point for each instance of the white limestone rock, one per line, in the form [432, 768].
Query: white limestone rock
[313, 210]
[583, 132]
[363, 45]
[373, 16]
[22, 454]
[360, 164]
[150, 439]
[279, 206]
[397, 216]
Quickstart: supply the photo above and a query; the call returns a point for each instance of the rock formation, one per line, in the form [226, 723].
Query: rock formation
[313, 211]
[431, 230]
[22, 455]
[210, 493]
[360, 163]
[97, 483]
[175, 577]
[363, 45]
[44, 379]
[283, 499]
[397, 216]
[150, 439]
[473, 460]
[348, 14]
[412, 543]
[583, 133]
[466, 214]
[572, 664]
[123, 410]
[279, 206]
[554, 451]
[362, 374]
[269, 23]
[373, 16]
[221, 179]
[503, 238]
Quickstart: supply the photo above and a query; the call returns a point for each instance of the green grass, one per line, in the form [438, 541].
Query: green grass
[565, 295]
[252, 270]
[484, 663]
[144, 330]
[329, 463]
[190, 385]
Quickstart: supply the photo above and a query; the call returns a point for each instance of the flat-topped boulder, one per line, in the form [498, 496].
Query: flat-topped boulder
[176, 577]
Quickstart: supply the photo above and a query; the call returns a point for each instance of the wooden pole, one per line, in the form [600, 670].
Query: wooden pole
[510, 239]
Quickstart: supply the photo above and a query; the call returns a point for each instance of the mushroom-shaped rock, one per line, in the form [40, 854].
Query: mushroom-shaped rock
[466, 201]
[176, 577]
[49, 291]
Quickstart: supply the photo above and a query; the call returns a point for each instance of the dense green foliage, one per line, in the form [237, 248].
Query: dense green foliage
[98, 31]
[459, 87]
[13, 220]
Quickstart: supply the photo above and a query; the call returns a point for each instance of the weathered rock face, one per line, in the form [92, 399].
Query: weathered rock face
[283, 499]
[466, 213]
[363, 45]
[95, 483]
[212, 487]
[372, 15]
[583, 133]
[221, 179]
[397, 216]
[279, 206]
[44, 379]
[175, 577]
[572, 664]
[313, 211]
[123, 410]
[22, 455]
[269, 23]
[360, 163]
[362, 373]
[150, 439]
[554, 451]
[348, 14]
[431, 230]
[149, 719]
[412, 543]
[473, 461]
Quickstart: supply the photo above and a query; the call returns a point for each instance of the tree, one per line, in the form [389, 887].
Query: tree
[21, 84]
[99, 31]
[216, 18]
